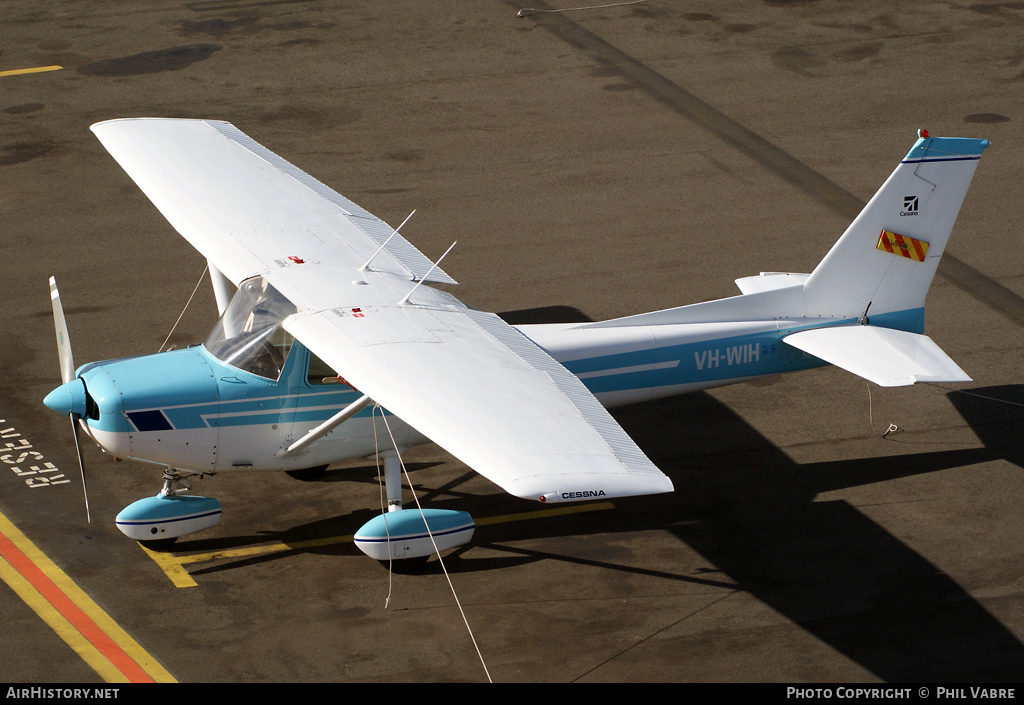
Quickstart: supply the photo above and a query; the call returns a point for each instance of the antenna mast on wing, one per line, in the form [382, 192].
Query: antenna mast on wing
[366, 265]
[405, 300]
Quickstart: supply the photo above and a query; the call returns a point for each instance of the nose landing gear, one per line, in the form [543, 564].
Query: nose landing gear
[157, 522]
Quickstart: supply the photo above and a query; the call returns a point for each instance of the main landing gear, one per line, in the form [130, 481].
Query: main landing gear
[403, 539]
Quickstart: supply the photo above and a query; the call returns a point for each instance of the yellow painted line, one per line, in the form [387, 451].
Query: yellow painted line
[251, 551]
[172, 568]
[74, 616]
[174, 565]
[61, 626]
[37, 69]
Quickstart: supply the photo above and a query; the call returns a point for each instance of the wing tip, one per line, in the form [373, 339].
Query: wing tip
[597, 487]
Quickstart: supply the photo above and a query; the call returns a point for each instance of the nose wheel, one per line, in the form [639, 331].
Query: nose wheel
[158, 545]
[157, 522]
[175, 483]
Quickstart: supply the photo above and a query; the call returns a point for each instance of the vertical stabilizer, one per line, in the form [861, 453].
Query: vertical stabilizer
[888, 255]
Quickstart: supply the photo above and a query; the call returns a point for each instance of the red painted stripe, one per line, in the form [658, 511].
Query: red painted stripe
[904, 250]
[72, 612]
[918, 249]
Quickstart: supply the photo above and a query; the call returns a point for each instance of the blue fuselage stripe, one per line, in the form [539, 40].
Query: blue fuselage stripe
[207, 394]
[709, 362]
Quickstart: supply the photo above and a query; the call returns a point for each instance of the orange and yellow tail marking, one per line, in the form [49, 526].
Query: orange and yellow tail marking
[908, 247]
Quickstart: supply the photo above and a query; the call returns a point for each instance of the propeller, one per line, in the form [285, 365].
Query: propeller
[67, 374]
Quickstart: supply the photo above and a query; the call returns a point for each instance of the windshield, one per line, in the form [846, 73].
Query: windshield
[249, 335]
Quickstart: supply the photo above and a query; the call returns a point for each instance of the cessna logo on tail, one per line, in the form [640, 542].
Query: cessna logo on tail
[909, 206]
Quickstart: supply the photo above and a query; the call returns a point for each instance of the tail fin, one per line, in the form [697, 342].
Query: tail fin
[887, 257]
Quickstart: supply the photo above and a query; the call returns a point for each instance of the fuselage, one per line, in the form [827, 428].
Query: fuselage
[190, 410]
[239, 400]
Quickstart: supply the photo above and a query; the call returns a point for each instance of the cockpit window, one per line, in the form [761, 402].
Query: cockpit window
[249, 335]
[320, 372]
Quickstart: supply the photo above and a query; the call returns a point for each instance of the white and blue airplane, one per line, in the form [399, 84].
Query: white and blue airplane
[326, 321]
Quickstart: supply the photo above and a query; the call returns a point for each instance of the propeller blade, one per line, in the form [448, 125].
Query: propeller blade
[67, 373]
[67, 362]
[81, 465]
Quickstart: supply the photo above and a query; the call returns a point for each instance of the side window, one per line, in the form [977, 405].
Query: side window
[320, 372]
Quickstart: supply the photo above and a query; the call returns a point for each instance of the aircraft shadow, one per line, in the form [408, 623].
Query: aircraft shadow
[750, 511]
[995, 414]
[545, 314]
[825, 565]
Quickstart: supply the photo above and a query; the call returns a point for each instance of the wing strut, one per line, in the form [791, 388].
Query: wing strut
[327, 426]
[223, 289]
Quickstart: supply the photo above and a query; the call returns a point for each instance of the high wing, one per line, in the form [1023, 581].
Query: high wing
[242, 206]
[465, 379]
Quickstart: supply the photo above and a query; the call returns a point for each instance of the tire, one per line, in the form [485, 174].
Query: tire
[158, 544]
[405, 566]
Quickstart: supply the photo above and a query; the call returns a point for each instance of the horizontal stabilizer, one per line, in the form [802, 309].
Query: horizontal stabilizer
[887, 357]
[768, 281]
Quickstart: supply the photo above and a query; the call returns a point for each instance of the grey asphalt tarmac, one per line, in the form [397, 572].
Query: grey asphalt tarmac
[594, 163]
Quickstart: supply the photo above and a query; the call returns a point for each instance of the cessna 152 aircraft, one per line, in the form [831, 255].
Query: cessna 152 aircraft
[325, 320]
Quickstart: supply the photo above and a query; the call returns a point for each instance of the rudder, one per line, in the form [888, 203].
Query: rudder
[886, 259]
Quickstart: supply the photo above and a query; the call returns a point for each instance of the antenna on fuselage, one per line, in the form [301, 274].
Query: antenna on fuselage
[405, 299]
[366, 265]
